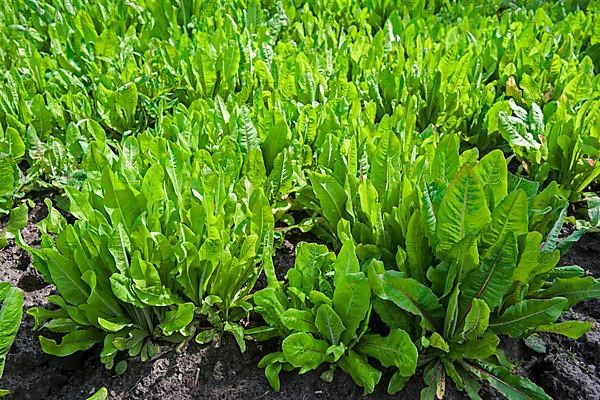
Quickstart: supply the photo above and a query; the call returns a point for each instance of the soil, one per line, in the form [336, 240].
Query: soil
[568, 370]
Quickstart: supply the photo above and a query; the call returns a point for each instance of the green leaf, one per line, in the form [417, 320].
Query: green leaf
[380, 164]
[397, 383]
[269, 305]
[329, 324]
[11, 313]
[510, 215]
[331, 195]
[575, 290]
[438, 342]
[413, 297]
[178, 319]
[396, 349]
[206, 336]
[417, 248]
[303, 351]
[299, 320]
[514, 130]
[280, 178]
[351, 301]
[476, 349]
[570, 329]
[75, 341]
[272, 373]
[529, 255]
[362, 373]
[247, 135]
[238, 334]
[17, 220]
[126, 97]
[477, 320]
[493, 278]
[311, 260]
[493, 175]
[101, 394]
[504, 381]
[527, 315]
[463, 210]
[66, 277]
[346, 262]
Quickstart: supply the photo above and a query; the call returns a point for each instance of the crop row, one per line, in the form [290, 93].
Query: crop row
[432, 148]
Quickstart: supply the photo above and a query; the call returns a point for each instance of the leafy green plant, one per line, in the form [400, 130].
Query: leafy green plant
[566, 150]
[323, 316]
[11, 312]
[462, 259]
[157, 246]
[196, 126]
[16, 222]
[11, 150]
[101, 394]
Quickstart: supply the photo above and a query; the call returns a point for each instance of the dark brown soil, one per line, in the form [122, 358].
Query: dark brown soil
[569, 370]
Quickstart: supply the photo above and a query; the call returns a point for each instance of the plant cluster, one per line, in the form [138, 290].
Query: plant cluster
[434, 148]
[11, 312]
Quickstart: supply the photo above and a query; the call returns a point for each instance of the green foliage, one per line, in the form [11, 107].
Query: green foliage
[469, 263]
[176, 135]
[323, 316]
[153, 250]
[11, 311]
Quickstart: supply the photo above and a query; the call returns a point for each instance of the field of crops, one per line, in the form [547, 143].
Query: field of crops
[299, 199]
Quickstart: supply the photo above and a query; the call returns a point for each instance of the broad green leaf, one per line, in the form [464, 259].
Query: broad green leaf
[446, 162]
[177, 319]
[575, 290]
[279, 181]
[493, 176]
[417, 248]
[504, 381]
[272, 373]
[392, 315]
[463, 210]
[570, 329]
[126, 97]
[238, 334]
[397, 383]
[101, 394]
[17, 220]
[516, 132]
[493, 278]
[247, 135]
[527, 315]
[476, 349]
[270, 306]
[331, 195]
[346, 261]
[329, 324]
[351, 302]
[413, 297]
[82, 339]
[311, 260]
[510, 215]
[396, 349]
[66, 277]
[11, 312]
[477, 320]
[299, 320]
[436, 341]
[362, 373]
[303, 351]
[380, 164]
